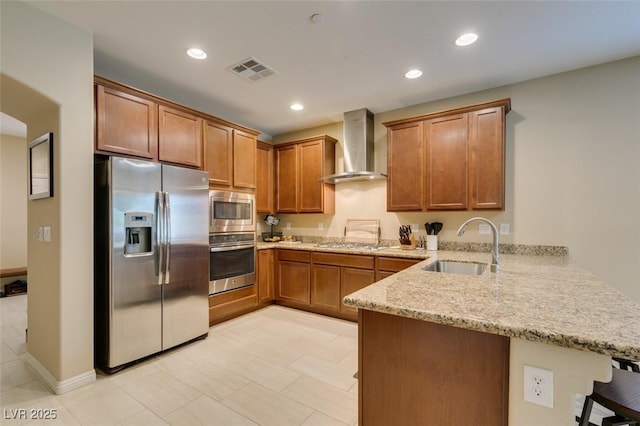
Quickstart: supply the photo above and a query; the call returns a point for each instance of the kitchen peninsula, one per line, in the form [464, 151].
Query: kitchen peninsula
[418, 328]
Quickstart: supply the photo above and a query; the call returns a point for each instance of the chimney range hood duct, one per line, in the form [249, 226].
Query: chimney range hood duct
[358, 149]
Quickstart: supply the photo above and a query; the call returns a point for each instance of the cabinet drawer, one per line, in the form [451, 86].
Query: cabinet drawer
[350, 260]
[395, 264]
[294, 255]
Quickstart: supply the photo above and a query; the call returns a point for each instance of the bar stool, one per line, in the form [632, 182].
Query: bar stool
[621, 395]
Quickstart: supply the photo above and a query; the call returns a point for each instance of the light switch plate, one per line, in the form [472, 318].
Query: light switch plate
[504, 228]
[288, 226]
[320, 226]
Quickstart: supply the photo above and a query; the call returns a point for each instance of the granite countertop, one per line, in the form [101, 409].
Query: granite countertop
[543, 299]
[393, 252]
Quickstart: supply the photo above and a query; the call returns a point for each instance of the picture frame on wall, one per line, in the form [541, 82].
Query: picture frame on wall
[41, 167]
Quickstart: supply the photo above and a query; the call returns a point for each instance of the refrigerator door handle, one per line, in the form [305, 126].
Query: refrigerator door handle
[160, 235]
[168, 236]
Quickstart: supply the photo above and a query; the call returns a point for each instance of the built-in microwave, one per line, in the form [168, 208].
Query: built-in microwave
[231, 212]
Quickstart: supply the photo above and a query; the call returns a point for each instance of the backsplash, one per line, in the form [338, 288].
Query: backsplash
[532, 250]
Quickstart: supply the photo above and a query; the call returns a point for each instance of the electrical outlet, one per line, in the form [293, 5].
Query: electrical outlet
[320, 226]
[40, 234]
[538, 386]
[484, 229]
[415, 228]
[288, 226]
[504, 228]
[47, 234]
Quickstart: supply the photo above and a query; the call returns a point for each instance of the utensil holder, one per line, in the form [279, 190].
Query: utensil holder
[432, 242]
[410, 246]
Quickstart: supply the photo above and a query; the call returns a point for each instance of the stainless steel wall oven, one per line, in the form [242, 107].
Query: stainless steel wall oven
[232, 261]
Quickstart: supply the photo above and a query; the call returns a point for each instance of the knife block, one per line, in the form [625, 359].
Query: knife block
[411, 245]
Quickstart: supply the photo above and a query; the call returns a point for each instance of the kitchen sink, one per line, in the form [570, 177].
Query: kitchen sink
[455, 267]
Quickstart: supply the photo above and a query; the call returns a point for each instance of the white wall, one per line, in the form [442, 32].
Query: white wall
[47, 82]
[13, 203]
[572, 171]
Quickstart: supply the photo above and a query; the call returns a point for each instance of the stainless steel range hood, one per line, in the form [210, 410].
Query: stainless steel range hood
[358, 149]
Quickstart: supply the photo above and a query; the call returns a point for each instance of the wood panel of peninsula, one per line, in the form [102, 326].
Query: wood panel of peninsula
[415, 372]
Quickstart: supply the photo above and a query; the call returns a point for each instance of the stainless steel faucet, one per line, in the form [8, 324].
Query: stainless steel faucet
[495, 261]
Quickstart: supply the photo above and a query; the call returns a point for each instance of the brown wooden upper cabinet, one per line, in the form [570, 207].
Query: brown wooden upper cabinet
[405, 167]
[487, 158]
[125, 123]
[299, 165]
[230, 156]
[449, 160]
[265, 177]
[179, 137]
[135, 123]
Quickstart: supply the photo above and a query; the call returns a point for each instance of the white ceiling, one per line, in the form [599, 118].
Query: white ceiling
[355, 57]
[11, 126]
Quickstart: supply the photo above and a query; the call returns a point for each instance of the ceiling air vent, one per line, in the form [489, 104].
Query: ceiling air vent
[251, 69]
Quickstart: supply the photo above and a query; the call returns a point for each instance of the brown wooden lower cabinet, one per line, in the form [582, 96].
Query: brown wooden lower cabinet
[387, 266]
[229, 305]
[420, 373]
[292, 277]
[318, 281]
[336, 275]
[265, 276]
[325, 287]
[352, 280]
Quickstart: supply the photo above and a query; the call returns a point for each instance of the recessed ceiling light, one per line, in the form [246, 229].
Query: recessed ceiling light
[196, 53]
[413, 74]
[297, 107]
[316, 18]
[466, 39]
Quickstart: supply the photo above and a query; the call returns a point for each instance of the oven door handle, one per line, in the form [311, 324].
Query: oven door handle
[231, 248]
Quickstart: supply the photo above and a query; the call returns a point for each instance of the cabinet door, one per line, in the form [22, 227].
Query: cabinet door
[486, 151]
[325, 287]
[179, 137]
[353, 280]
[311, 167]
[266, 259]
[244, 160]
[446, 144]
[383, 274]
[387, 266]
[405, 168]
[287, 179]
[265, 178]
[293, 282]
[126, 124]
[218, 141]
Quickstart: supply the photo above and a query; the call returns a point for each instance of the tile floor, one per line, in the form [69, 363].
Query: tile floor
[275, 366]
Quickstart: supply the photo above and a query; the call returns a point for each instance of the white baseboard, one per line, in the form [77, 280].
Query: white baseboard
[56, 386]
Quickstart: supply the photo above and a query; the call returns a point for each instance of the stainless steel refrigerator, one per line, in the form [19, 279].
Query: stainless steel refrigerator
[151, 258]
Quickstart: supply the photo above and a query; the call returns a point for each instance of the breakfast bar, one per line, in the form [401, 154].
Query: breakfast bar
[539, 311]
